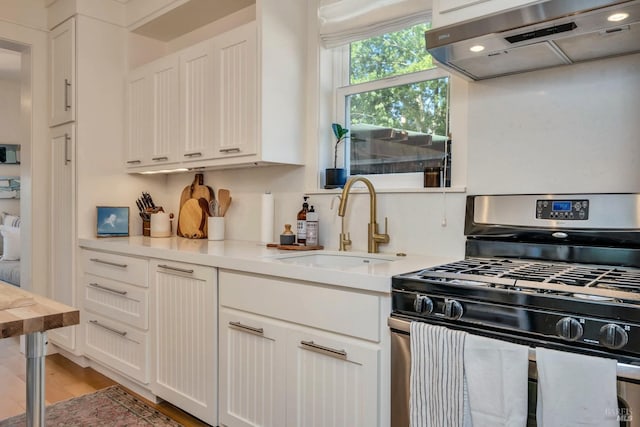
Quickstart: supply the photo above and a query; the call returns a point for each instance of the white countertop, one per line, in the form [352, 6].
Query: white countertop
[253, 257]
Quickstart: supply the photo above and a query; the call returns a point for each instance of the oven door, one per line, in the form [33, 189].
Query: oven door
[628, 383]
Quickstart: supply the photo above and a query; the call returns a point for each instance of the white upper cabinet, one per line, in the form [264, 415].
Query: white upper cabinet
[62, 75]
[197, 92]
[448, 12]
[234, 61]
[152, 119]
[236, 90]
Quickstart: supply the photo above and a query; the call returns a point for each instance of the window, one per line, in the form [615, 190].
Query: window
[396, 105]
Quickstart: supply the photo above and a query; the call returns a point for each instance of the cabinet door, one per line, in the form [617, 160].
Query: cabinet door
[331, 380]
[164, 110]
[235, 69]
[152, 113]
[184, 329]
[62, 73]
[63, 232]
[139, 101]
[252, 370]
[196, 102]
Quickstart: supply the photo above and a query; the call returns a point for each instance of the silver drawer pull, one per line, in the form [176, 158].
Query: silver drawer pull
[134, 162]
[160, 159]
[230, 150]
[193, 155]
[327, 351]
[114, 264]
[181, 270]
[104, 288]
[115, 331]
[250, 329]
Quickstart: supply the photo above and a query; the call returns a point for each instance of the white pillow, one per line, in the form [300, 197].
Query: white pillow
[11, 243]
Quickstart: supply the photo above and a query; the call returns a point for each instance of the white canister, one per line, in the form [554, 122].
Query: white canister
[160, 225]
[215, 227]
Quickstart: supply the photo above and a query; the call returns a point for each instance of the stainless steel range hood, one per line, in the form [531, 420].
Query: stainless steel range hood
[548, 34]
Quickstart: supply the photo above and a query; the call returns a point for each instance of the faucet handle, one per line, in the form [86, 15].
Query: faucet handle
[386, 224]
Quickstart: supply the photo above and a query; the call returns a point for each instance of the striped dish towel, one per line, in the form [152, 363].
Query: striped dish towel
[437, 376]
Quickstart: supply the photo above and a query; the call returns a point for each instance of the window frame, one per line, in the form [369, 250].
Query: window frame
[400, 181]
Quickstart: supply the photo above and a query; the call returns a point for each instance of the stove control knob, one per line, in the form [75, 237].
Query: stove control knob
[613, 336]
[452, 309]
[569, 329]
[423, 304]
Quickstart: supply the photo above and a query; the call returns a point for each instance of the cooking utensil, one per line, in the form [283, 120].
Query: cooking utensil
[213, 208]
[224, 200]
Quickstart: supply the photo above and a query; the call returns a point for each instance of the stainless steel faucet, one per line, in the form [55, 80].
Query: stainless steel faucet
[374, 238]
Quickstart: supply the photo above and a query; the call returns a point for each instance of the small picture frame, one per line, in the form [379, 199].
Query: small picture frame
[112, 221]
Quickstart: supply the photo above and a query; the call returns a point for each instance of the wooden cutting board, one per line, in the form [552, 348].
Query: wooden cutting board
[192, 222]
[196, 190]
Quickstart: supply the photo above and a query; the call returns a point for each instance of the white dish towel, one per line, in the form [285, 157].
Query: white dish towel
[496, 374]
[576, 390]
[437, 376]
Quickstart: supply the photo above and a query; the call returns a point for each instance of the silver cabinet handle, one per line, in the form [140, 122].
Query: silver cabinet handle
[327, 351]
[67, 139]
[108, 328]
[115, 264]
[250, 329]
[67, 86]
[134, 162]
[230, 150]
[104, 288]
[181, 270]
[160, 159]
[193, 155]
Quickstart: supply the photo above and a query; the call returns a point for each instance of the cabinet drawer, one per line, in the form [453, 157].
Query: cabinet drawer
[349, 313]
[117, 267]
[117, 300]
[118, 346]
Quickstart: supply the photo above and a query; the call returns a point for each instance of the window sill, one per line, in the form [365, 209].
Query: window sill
[362, 189]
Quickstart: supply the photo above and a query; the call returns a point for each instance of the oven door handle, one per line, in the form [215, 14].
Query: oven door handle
[624, 371]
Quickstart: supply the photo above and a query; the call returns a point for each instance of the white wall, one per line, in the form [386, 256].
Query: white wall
[568, 129]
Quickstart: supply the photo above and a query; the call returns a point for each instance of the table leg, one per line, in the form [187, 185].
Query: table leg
[36, 348]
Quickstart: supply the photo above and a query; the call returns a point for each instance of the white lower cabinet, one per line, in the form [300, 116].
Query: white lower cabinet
[252, 362]
[331, 380]
[115, 301]
[184, 337]
[282, 370]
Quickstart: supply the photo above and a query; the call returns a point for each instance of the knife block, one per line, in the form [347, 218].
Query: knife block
[146, 228]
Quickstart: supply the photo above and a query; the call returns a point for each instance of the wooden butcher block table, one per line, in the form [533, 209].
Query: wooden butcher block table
[25, 313]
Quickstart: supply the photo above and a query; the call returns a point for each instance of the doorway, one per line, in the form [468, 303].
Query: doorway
[24, 52]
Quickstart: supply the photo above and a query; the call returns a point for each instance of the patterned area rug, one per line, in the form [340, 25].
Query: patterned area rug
[113, 407]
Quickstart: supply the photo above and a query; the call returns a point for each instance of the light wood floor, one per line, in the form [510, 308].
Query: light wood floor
[64, 380]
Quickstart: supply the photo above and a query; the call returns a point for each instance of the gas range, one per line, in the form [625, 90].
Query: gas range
[556, 270]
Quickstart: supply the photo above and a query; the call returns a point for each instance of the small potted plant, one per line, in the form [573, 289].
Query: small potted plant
[336, 177]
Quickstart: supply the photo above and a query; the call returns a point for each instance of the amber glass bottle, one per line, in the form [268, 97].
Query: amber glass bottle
[302, 222]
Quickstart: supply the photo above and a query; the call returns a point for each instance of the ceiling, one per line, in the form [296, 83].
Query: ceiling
[9, 65]
[189, 16]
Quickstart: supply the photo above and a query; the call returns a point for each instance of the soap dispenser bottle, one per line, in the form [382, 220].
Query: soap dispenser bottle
[302, 222]
[312, 227]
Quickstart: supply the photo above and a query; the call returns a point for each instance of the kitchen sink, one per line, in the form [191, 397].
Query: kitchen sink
[335, 260]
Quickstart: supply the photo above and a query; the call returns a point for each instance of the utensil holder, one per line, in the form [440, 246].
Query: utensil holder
[215, 224]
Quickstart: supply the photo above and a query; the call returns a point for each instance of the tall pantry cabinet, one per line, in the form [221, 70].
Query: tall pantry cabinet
[86, 70]
[62, 70]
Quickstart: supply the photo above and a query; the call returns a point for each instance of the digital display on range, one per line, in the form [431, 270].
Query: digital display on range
[563, 210]
[563, 206]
